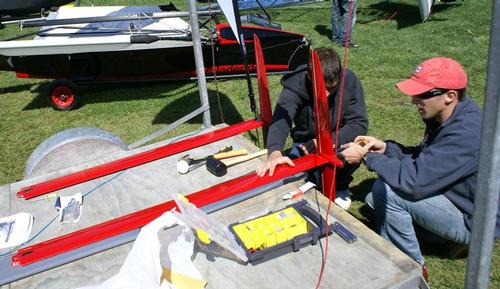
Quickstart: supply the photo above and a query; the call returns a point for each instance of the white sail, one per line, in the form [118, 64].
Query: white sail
[227, 7]
[425, 8]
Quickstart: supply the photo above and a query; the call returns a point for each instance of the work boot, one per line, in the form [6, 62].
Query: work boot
[343, 199]
[350, 45]
[335, 40]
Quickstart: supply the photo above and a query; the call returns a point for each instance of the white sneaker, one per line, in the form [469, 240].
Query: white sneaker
[343, 199]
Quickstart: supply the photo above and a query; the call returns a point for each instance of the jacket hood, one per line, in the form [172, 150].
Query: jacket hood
[298, 82]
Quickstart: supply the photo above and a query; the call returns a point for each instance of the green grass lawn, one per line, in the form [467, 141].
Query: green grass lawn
[392, 42]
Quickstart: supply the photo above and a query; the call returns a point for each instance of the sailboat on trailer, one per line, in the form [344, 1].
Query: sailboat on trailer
[142, 48]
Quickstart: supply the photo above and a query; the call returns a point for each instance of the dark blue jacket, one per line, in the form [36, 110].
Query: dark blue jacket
[295, 107]
[445, 162]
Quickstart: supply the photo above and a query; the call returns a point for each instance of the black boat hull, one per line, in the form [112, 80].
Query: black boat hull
[283, 51]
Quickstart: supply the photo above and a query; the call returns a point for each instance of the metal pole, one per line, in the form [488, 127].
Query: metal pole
[168, 128]
[488, 182]
[200, 66]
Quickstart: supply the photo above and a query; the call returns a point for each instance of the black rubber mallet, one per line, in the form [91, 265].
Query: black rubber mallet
[219, 168]
[186, 164]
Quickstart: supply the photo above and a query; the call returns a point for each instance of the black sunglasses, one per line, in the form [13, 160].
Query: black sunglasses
[431, 93]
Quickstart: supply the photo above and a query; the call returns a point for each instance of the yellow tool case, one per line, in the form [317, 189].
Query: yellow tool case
[277, 233]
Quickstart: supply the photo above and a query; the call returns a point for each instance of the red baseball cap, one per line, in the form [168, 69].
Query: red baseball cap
[437, 72]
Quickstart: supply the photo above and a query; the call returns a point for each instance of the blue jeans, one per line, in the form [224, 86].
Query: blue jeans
[340, 18]
[394, 217]
[342, 179]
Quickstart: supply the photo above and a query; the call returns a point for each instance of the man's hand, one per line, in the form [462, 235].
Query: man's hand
[309, 147]
[274, 159]
[372, 144]
[353, 153]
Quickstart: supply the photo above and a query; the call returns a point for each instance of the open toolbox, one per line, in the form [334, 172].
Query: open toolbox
[287, 230]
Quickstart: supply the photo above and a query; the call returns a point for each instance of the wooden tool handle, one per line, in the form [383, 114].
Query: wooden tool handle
[229, 154]
[245, 158]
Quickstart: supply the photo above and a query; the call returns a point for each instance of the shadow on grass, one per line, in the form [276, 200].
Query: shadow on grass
[16, 88]
[103, 93]
[290, 14]
[362, 189]
[190, 101]
[406, 15]
[41, 98]
[225, 113]
[434, 249]
[323, 30]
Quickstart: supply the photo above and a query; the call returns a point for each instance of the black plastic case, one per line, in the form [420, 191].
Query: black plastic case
[315, 221]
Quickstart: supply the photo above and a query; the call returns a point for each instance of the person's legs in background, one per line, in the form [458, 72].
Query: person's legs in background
[349, 11]
[394, 217]
[342, 10]
[336, 24]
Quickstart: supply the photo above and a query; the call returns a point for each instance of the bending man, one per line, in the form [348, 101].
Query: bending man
[295, 107]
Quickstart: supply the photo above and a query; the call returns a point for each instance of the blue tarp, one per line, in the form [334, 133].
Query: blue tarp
[252, 4]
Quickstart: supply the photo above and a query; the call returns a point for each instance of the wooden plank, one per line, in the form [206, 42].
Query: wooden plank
[4, 200]
[357, 265]
[4, 211]
[369, 263]
[135, 189]
[129, 191]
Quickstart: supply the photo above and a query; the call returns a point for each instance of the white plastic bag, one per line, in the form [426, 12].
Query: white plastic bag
[143, 268]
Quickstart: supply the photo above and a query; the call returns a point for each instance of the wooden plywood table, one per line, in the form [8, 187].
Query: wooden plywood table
[370, 262]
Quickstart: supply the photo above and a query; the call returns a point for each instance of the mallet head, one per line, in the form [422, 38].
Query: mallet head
[216, 167]
[182, 166]
[186, 164]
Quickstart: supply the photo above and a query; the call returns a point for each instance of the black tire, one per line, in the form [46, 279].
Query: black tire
[63, 95]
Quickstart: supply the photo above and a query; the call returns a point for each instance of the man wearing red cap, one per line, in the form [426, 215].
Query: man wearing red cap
[432, 184]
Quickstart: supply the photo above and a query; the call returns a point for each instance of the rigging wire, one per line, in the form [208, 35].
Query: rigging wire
[337, 127]
[214, 70]
[9, 252]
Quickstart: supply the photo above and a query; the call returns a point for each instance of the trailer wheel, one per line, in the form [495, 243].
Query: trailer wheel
[72, 147]
[63, 95]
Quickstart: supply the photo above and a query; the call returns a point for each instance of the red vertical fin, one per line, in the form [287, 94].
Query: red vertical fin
[323, 132]
[265, 102]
